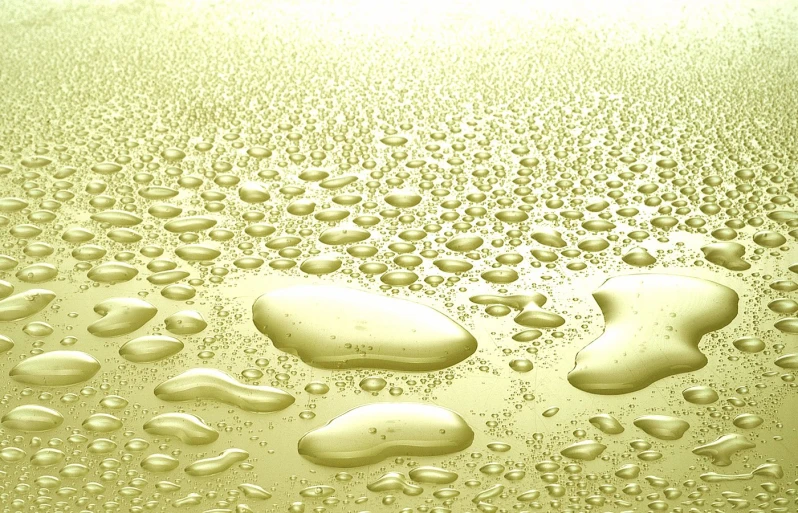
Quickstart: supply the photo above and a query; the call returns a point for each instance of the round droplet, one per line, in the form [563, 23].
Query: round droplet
[700, 394]
[521, 365]
[749, 344]
[747, 421]
[373, 384]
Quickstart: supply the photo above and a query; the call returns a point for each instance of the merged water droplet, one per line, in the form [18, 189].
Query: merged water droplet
[213, 384]
[121, 316]
[368, 434]
[361, 330]
[187, 428]
[217, 464]
[654, 323]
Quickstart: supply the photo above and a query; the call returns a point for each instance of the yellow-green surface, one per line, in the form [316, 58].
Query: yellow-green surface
[398, 256]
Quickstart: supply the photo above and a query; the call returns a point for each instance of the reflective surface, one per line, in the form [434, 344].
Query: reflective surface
[404, 257]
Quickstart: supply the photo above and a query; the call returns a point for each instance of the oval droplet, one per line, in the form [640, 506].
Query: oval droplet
[368, 434]
[56, 368]
[150, 348]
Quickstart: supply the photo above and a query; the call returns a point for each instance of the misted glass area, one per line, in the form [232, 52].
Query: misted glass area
[316, 256]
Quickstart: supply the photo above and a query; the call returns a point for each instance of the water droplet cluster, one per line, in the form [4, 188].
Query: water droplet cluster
[425, 257]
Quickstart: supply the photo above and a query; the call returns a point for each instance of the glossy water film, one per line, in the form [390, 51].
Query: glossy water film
[414, 257]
